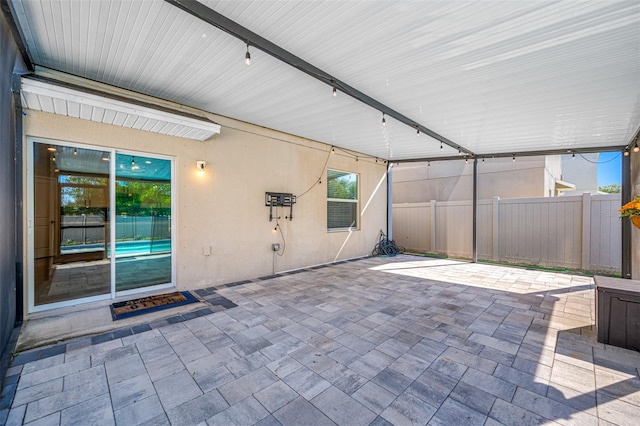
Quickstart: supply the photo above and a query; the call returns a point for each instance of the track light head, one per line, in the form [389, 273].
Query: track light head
[626, 152]
[636, 148]
[384, 122]
[335, 92]
[441, 148]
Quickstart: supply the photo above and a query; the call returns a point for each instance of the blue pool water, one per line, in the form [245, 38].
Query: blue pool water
[122, 247]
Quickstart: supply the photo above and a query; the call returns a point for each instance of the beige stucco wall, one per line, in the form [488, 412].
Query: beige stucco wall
[453, 180]
[224, 208]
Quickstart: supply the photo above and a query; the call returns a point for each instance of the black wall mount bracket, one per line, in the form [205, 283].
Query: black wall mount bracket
[279, 199]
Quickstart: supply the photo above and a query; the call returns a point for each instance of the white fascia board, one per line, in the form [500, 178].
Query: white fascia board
[205, 128]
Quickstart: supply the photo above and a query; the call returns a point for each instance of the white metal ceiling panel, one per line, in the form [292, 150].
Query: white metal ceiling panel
[492, 76]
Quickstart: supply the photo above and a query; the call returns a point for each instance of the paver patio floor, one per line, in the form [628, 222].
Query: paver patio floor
[404, 340]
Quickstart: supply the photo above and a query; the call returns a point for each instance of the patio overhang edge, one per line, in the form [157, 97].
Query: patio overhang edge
[516, 154]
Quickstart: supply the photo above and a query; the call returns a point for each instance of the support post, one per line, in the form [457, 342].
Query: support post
[626, 224]
[390, 201]
[474, 239]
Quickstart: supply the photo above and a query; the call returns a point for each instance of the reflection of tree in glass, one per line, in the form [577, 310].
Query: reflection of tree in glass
[143, 198]
[83, 195]
[343, 187]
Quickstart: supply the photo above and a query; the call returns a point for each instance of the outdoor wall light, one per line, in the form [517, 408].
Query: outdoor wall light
[636, 148]
[201, 165]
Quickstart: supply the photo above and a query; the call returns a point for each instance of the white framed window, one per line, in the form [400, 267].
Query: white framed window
[342, 200]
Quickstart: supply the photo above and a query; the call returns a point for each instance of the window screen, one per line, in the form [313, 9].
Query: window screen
[342, 200]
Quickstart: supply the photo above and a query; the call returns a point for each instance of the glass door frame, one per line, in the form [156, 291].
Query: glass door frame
[30, 201]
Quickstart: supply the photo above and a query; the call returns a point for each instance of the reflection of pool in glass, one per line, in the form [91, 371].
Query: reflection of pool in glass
[142, 247]
[123, 248]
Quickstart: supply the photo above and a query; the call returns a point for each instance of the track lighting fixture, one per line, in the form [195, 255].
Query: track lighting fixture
[514, 158]
[441, 146]
[573, 156]
[459, 151]
[466, 160]
[384, 122]
[626, 152]
[333, 150]
[417, 131]
[75, 151]
[636, 148]
[247, 57]
[335, 92]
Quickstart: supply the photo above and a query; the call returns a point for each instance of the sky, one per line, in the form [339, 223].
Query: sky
[609, 168]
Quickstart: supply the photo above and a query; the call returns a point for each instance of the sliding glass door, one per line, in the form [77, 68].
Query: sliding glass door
[143, 222]
[96, 230]
[70, 223]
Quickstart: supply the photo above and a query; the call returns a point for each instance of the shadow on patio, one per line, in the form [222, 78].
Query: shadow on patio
[374, 341]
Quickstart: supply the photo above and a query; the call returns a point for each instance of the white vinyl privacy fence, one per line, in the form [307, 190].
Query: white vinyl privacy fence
[578, 232]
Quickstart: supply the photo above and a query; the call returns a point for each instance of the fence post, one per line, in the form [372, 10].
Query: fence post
[586, 231]
[496, 224]
[433, 226]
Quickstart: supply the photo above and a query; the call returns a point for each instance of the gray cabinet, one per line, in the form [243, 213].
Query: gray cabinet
[618, 312]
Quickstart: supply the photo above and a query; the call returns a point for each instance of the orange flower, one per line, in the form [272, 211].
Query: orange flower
[632, 208]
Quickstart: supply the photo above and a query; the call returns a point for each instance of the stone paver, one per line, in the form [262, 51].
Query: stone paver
[379, 341]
